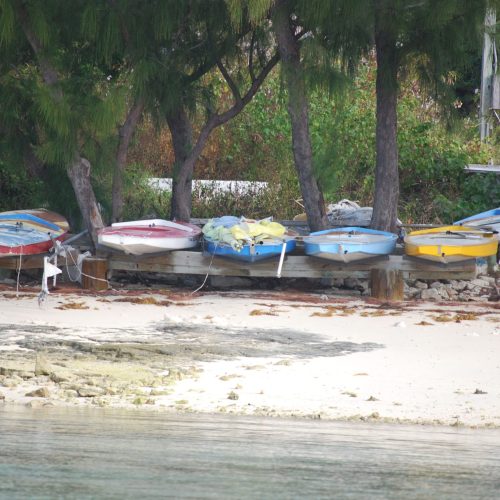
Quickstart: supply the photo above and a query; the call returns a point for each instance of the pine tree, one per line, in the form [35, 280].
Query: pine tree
[70, 106]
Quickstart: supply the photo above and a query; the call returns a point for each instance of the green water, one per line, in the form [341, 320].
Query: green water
[55, 453]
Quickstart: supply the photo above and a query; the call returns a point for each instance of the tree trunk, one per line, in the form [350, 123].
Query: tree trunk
[79, 175]
[289, 50]
[79, 169]
[186, 153]
[385, 206]
[125, 134]
[182, 139]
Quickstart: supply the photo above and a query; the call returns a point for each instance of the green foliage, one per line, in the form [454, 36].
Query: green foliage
[207, 203]
[140, 200]
[256, 146]
[17, 190]
[433, 184]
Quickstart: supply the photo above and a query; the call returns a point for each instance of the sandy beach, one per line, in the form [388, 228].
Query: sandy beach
[296, 354]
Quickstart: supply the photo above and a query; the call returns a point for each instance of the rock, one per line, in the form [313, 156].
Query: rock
[35, 403]
[480, 283]
[42, 366]
[351, 283]
[460, 285]
[490, 279]
[412, 293]
[437, 285]
[338, 282]
[430, 294]
[420, 285]
[57, 379]
[42, 392]
[364, 284]
[90, 392]
[443, 293]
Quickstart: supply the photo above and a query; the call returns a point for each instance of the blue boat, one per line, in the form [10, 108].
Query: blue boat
[349, 244]
[252, 252]
[247, 240]
[485, 220]
[28, 232]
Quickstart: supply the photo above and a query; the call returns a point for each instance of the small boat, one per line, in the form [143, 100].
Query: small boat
[29, 232]
[484, 220]
[450, 244]
[142, 237]
[247, 240]
[349, 244]
[253, 252]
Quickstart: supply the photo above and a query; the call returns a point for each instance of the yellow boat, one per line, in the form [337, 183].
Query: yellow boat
[450, 243]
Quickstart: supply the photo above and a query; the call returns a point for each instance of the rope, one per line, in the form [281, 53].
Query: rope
[19, 271]
[208, 271]
[81, 272]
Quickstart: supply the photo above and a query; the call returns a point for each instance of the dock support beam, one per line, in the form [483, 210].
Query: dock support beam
[387, 284]
[94, 272]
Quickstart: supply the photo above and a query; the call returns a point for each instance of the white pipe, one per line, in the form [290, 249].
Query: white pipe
[282, 258]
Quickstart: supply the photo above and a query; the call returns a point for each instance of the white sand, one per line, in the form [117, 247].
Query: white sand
[443, 372]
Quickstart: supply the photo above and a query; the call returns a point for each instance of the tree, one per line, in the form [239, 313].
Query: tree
[218, 45]
[287, 36]
[386, 195]
[70, 106]
[431, 39]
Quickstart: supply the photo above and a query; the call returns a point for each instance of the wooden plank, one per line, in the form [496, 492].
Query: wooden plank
[36, 261]
[294, 266]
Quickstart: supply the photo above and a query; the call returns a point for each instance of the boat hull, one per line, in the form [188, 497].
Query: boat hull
[30, 232]
[450, 244]
[349, 244]
[250, 253]
[484, 220]
[149, 237]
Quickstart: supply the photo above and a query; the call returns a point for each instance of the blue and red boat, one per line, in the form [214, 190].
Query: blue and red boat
[28, 232]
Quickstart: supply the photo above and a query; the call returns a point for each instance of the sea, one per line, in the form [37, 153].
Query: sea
[99, 453]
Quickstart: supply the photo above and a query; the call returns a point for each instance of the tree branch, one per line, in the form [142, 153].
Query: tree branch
[49, 73]
[250, 57]
[229, 81]
[217, 120]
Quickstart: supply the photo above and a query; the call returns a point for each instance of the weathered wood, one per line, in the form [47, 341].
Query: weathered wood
[94, 272]
[387, 284]
[36, 261]
[294, 266]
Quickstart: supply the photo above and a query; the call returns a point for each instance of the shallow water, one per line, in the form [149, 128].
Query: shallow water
[103, 453]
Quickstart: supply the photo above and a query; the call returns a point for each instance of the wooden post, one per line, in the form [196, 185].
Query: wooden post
[387, 284]
[94, 272]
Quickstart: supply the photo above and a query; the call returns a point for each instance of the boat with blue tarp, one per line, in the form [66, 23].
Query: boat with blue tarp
[247, 240]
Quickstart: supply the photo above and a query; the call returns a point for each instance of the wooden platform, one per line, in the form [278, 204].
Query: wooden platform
[294, 266]
[386, 274]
